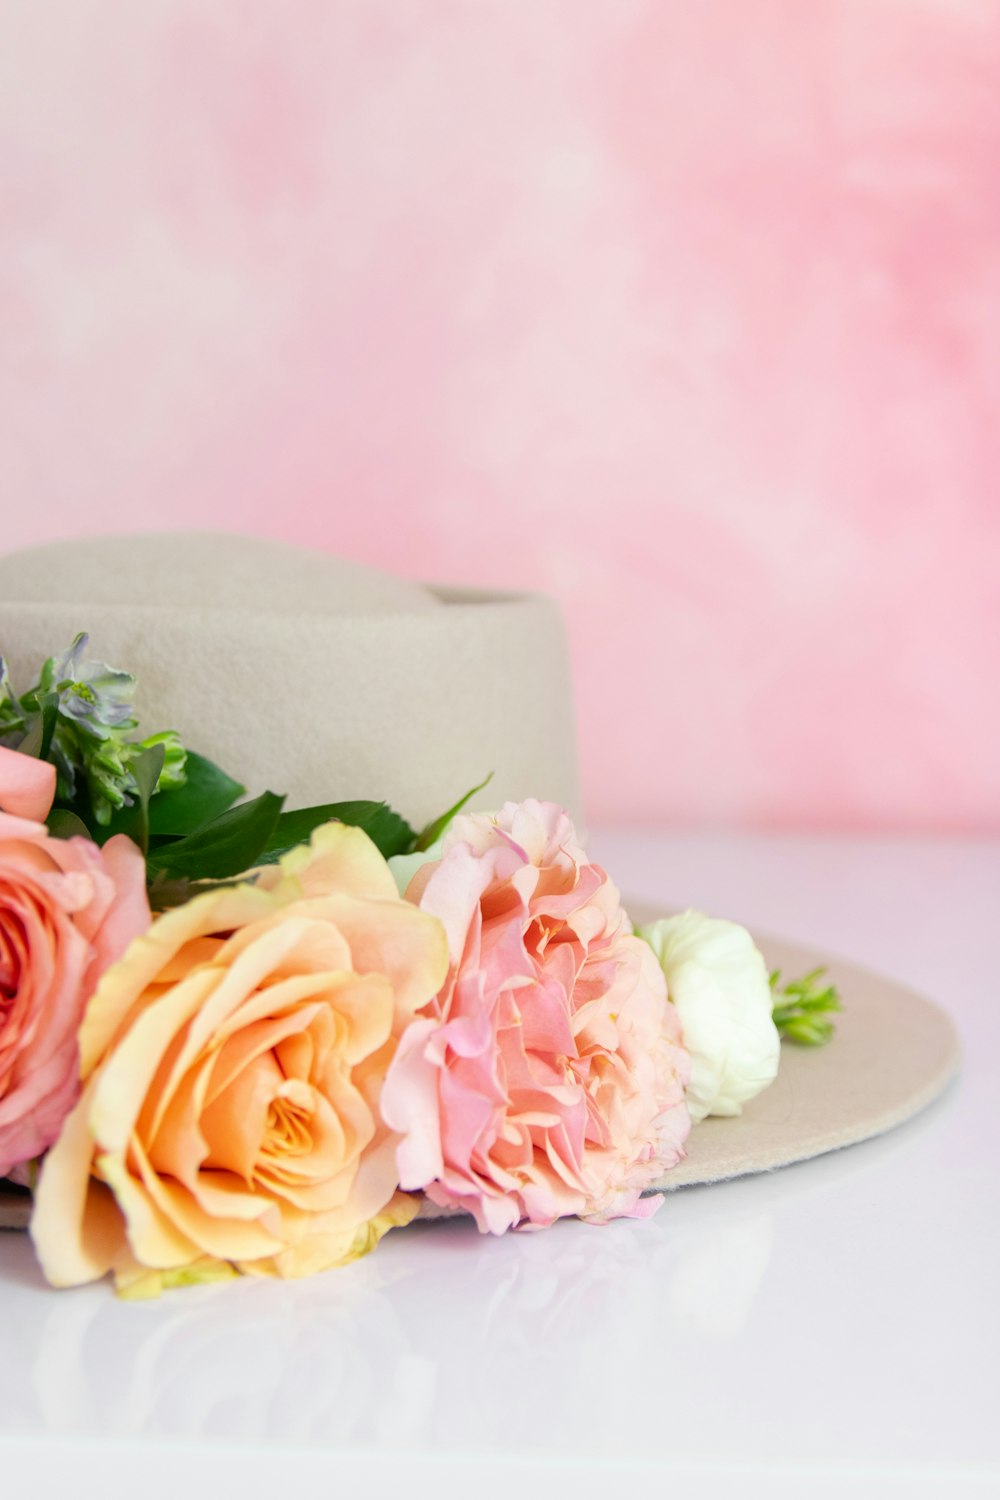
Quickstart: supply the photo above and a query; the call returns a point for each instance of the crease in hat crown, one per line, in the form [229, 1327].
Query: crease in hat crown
[309, 674]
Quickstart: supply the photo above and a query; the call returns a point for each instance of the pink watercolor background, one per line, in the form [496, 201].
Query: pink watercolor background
[687, 311]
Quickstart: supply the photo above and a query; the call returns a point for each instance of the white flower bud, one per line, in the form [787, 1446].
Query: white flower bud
[718, 981]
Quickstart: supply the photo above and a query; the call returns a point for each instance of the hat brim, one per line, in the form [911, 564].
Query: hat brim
[892, 1054]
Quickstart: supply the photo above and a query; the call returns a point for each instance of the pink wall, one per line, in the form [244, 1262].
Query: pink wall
[685, 310]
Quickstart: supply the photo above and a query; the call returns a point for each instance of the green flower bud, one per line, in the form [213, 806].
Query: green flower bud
[174, 772]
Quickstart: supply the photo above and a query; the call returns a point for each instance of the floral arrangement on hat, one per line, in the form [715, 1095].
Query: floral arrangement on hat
[238, 1039]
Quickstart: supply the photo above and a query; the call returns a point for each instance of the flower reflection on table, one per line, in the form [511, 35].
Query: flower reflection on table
[426, 1344]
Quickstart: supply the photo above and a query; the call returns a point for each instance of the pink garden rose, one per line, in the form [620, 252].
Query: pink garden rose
[548, 1075]
[67, 910]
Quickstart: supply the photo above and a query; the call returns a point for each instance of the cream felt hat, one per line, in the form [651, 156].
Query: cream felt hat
[327, 681]
[307, 675]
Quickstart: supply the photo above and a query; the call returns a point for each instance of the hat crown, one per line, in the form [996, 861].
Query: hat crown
[307, 674]
[206, 569]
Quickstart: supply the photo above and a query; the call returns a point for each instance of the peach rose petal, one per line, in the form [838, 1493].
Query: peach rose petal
[260, 1042]
[122, 1084]
[162, 948]
[181, 1144]
[338, 859]
[323, 1251]
[75, 1225]
[288, 995]
[365, 1006]
[402, 954]
[232, 1238]
[153, 1238]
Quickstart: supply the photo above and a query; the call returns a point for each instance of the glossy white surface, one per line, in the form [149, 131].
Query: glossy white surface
[829, 1327]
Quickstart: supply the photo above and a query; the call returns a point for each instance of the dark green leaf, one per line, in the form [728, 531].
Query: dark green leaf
[433, 831]
[63, 824]
[207, 793]
[390, 833]
[230, 845]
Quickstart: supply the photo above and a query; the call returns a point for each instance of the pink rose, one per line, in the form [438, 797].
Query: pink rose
[67, 910]
[548, 1075]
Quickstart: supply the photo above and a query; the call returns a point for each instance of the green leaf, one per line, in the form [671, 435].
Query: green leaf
[207, 793]
[63, 824]
[230, 845]
[390, 833]
[433, 831]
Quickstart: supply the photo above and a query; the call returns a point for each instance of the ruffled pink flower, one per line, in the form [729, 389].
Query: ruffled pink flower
[547, 1077]
[67, 910]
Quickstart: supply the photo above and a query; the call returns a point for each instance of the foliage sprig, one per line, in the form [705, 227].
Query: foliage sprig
[802, 1008]
[79, 716]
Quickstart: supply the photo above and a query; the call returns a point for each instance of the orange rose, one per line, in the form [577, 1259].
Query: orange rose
[233, 1064]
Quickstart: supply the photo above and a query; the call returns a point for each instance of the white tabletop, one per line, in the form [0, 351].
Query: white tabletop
[827, 1329]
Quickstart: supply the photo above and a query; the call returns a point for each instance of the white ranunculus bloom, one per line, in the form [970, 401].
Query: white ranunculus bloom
[718, 981]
